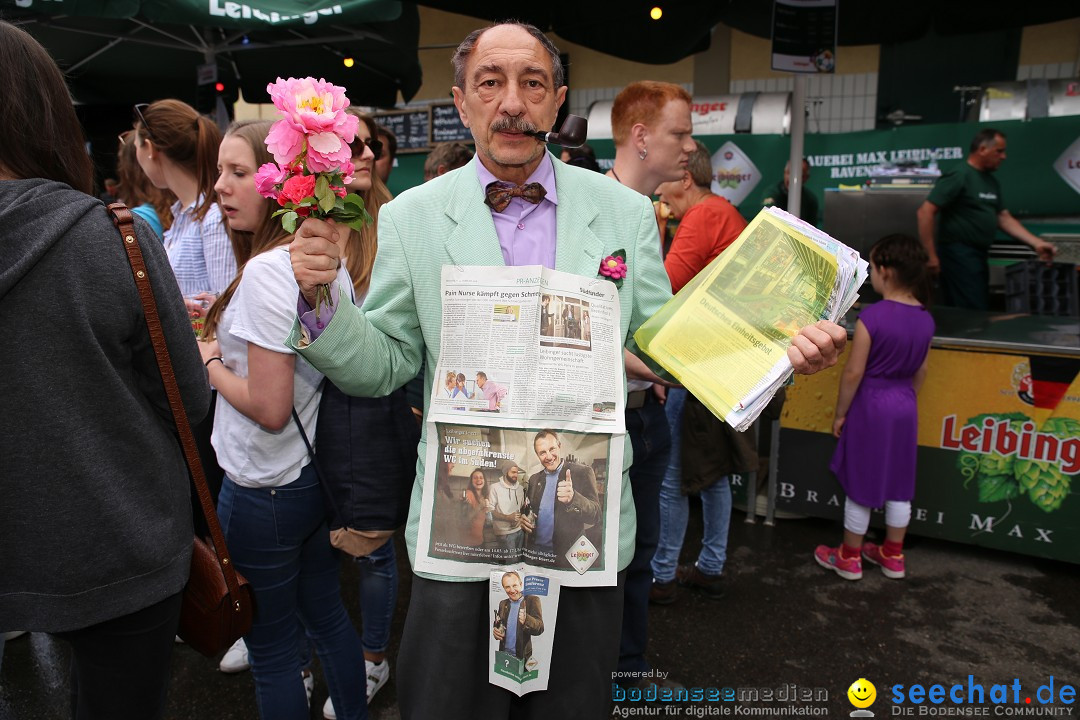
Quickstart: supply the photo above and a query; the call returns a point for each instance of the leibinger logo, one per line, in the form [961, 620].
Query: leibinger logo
[768, 702]
[974, 699]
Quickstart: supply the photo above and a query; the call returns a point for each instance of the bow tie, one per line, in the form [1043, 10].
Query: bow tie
[499, 194]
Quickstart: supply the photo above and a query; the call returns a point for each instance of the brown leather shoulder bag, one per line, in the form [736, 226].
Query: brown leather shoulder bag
[218, 602]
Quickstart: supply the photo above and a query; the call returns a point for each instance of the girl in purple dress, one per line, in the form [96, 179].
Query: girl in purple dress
[876, 413]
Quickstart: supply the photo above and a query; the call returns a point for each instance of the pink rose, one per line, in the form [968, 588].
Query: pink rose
[268, 177]
[297, 188]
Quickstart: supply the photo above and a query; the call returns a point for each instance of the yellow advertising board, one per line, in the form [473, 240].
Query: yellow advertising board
[999, 450]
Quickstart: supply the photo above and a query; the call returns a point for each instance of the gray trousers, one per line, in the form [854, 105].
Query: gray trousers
[442, 669]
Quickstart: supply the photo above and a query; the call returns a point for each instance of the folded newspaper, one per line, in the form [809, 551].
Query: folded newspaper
[725, 335]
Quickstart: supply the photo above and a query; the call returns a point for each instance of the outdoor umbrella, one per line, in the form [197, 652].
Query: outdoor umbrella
[626, 29]
[127, 51]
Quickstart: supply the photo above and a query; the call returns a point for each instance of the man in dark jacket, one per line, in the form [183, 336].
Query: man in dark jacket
[520, 617]
[563, 500]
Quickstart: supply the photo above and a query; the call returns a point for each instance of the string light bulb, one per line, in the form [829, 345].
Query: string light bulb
[656, 13]
[349, 62]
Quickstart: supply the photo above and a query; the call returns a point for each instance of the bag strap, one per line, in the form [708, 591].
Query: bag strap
[123, 219]
[318, 471]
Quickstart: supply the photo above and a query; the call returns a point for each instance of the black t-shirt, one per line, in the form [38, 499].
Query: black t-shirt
[969, 201]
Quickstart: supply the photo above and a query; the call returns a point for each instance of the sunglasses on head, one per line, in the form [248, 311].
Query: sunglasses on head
[141, 119]
[375, 145]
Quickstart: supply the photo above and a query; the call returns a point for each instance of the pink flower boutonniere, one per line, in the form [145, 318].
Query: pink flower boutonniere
[613, 267]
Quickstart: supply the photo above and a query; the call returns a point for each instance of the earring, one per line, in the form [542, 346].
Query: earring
[644, 151]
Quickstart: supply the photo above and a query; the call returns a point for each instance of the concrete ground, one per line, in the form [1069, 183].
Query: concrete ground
[961, 611]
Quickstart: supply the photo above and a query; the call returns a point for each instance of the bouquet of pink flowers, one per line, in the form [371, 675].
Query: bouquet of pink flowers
[314, 163]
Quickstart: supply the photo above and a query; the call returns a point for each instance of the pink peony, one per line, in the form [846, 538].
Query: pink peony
[313, 110]
[326, 151]
[284, 143]
[267, 178]
[614, 267]
[297, 188]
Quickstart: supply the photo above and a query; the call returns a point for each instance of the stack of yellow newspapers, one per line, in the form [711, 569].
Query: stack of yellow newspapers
[725, 335]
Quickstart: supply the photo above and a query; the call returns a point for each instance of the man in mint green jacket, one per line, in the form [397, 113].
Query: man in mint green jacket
[508, 80]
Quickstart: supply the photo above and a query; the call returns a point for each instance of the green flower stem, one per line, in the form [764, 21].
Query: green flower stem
[323, 296]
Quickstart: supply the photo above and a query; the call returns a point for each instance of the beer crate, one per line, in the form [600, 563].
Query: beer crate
[1038, 288]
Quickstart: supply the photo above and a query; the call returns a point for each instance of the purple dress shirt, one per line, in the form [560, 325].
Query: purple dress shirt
[526, 235]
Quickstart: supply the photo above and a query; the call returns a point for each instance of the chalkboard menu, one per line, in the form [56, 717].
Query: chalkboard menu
[446, 125]
[411, 127]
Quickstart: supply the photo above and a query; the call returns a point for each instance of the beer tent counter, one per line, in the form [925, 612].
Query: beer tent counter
[999, 436]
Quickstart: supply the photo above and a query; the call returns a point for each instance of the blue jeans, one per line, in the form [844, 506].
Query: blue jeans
[279, 541]
[378, 596]
[675, 508]
[648, 430]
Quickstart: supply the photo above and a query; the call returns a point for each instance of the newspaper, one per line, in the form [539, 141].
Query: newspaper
[484, 502]
[524, 606]
[725, 335]
[528, 346]
[525, 427]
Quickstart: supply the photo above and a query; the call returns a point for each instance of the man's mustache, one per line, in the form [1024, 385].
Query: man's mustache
[513, 124]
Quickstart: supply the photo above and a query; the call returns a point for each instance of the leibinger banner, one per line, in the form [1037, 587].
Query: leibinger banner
[734, 174]
[1068, 165]
[998, 456]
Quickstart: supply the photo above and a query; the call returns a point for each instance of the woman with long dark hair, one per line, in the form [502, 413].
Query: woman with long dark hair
[271, 506]
[96, 523]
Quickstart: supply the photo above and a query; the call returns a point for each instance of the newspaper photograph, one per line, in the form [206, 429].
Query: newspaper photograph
[725, 335]
[529, 346]
[547, 499]
[524, 606]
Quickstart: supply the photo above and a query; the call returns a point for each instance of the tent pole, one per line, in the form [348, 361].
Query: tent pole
[798, 135]
[108, 46]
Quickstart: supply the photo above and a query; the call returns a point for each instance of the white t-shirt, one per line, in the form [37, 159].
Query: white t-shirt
[262, 312]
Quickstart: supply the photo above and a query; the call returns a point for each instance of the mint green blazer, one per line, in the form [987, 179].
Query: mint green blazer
[373, 351]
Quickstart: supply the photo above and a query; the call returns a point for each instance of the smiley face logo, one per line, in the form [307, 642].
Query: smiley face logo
[862, 693]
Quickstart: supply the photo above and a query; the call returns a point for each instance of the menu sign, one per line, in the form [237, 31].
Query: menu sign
[412, 128]
[446, 125]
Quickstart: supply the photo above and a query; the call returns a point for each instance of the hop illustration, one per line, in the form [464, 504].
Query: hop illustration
[1043, 481]
[1002, 477]
[993, 472]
